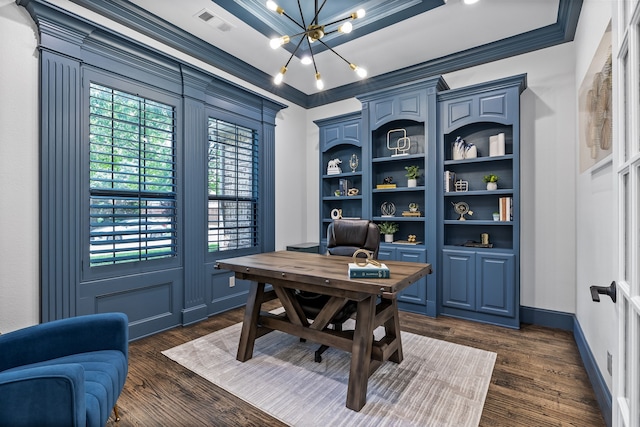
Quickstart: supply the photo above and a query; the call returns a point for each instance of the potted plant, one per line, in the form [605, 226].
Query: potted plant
[388, 228]
[492, 181]
[413, 172]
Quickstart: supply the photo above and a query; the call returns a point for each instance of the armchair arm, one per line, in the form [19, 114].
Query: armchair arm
[58, 338]
[43, 396]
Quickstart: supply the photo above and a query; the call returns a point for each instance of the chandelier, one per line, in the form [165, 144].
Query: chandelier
[311, 33]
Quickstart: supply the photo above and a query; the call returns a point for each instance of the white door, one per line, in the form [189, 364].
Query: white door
[626, 154]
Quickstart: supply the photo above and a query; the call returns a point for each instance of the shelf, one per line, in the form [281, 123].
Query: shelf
[499, 191]
[397, 158]
[483, 159]
[473, 222]
[472, 249]
[398, 189]
[341, 198]
[342, 175]
[399, 218]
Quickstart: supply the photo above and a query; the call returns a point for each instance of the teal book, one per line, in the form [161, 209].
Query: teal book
[369, 271]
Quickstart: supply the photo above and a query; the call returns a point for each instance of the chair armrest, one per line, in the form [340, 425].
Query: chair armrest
[45, 395]
[58, 338]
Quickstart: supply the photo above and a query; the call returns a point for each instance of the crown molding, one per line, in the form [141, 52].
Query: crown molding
[132, 16]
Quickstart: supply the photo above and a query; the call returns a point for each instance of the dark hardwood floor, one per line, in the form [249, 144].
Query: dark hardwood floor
[538, 379]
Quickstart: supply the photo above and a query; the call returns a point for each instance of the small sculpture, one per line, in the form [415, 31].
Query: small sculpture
[388, 180]
[413, 207]
[333, 167]
[353, 162]
[411, 238]
[402, 144]
[388, 209]
[464, 150]
[462, 185]
[336, 214]
[353, 192]
[462, 208]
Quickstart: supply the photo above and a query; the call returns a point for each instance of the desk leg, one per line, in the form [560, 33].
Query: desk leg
[392, 327]
[361, 354]
[250, 322]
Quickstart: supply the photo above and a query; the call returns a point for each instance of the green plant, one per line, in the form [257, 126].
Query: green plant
[413, 172]
[388, 227]
[491, 178]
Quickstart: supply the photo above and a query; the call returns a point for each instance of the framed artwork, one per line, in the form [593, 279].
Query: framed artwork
[594, 119]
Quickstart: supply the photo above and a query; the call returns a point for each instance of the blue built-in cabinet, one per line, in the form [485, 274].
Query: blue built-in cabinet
[340, 138]
[480, 256]
[404, 117]
[471, 279]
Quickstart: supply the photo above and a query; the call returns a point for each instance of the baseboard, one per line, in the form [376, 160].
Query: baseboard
[603, 396]
[194, 314]
[547, 318]
[569, 322]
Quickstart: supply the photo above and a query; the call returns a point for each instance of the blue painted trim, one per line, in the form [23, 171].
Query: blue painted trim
[142, 21]
[569, 322]
[603, 395]
[547, 318]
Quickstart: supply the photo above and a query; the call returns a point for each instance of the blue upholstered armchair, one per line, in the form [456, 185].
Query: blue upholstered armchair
[67, 372]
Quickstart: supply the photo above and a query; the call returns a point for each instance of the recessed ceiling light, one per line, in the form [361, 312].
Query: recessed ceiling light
[470, 1]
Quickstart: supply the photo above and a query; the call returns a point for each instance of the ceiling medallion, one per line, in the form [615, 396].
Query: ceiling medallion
[314, 32]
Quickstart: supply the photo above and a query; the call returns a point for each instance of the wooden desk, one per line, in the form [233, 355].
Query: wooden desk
[287, 271]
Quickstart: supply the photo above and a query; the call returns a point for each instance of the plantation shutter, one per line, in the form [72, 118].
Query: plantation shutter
[132, 178]
[232, 186]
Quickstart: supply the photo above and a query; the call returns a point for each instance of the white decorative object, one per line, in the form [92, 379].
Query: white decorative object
[333, 167]
[402, 144]
[412, 182]
[388, 238]
[464, 150]
[462, 185]
[496, 145]
[492, 186]
[336, 214]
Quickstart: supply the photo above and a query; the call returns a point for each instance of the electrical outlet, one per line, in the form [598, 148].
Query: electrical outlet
[232, 281]
[609, 363]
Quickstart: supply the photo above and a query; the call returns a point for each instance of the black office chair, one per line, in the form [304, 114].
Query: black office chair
[344, 237]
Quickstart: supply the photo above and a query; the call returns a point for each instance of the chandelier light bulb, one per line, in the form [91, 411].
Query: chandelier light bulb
[470, 1]
[361, 72]
[360, 13]
[345, 28]
[280, 76]
[306, 60]
[279, 41]
[273, 6]
[319, 82]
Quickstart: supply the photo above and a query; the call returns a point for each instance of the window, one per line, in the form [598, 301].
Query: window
[132, 175]
[232, 186]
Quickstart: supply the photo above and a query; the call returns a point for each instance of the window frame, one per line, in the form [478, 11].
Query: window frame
[89, 272]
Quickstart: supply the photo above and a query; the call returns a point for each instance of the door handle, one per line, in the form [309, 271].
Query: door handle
[604, 290]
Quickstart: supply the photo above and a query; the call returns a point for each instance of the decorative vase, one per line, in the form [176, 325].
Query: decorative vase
[388, 238]
[492, 185]
[412, 182]
[496, 216]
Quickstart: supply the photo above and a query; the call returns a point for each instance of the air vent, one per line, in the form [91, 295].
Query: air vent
[205, 15]
[213, 20]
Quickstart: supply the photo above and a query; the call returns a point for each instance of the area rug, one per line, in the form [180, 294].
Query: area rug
[437, 384]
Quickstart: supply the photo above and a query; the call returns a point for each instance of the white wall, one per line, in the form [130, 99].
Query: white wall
[19, 265]
[596, 208]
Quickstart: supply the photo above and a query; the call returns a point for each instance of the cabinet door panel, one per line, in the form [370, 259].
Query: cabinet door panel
[416, 293]
[386, 253]
[496, 290]
[458, 279]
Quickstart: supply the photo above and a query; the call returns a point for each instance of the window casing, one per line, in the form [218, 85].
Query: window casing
[232, 186]
[132, 178]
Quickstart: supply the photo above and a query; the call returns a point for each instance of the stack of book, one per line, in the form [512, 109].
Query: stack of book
[385, 186]
[449, 181]
[411, 213]
[505, 206]
[368, 271]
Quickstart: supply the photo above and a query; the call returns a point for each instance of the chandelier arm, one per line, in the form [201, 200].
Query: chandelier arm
[329, 47]
[315, 17]
[294, 52]
[304, 25]
[337, 21]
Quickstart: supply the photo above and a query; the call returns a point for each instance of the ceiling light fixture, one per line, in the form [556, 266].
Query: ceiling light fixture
[314, 32]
